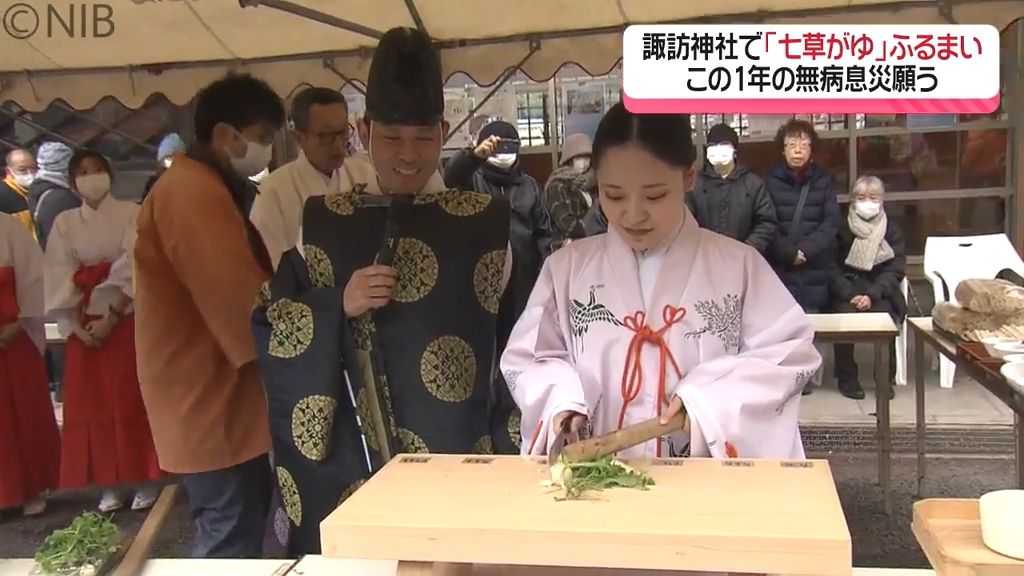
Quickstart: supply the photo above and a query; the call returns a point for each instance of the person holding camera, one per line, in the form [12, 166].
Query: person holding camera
[493, 167]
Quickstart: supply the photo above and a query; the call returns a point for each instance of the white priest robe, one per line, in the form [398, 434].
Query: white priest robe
[277, 210]
[615, 335]
[20, 252]
[85, 237]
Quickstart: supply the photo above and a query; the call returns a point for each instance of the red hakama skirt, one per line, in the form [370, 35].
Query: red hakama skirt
[29, 438]
[107, 440]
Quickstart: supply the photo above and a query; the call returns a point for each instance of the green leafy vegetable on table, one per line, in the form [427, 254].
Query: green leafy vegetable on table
[575, 478]
[79, 549]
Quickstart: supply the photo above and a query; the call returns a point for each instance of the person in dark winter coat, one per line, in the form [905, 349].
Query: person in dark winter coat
[803, 250]
[50, 193]
[869, 267]
[566, 195]
[730, 199]
[804, 247]
[493, 168]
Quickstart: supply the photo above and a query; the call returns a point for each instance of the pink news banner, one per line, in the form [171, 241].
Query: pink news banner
[786, 69]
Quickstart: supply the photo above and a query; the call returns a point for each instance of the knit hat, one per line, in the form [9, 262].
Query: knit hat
[575, 145]
[169, 146]
[53, 159]
[498, 128]
[722, 133]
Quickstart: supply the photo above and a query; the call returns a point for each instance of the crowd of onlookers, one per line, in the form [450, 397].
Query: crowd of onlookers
[82, 242]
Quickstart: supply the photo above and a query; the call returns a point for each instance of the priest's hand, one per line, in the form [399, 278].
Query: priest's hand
[801, 258]
[862, 303]
[368, 289]
[569, 422]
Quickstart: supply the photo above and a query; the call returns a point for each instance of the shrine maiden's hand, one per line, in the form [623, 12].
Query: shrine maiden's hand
[84, 335]
[572, 423]
[368, 289]
[674, 407]
[7, 333]
[100, 329]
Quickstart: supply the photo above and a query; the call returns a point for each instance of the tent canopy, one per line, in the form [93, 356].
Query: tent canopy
[176, 46]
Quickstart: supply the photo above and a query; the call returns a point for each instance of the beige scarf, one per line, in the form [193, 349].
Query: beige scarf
[869, 247]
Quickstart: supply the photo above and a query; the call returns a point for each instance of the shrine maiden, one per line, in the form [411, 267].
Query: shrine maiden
[29, 439]
[658, 315]
[88, 272]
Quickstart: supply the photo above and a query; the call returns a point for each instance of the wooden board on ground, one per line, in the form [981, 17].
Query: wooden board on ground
[705, 515]
[134, 560]
[949, 532]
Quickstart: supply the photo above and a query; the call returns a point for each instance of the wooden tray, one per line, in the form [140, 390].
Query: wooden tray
[975, 352]
[949, 532]
[704, 515]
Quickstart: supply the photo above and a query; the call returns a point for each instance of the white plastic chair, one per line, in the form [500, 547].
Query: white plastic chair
[949, 260]
[901, 339]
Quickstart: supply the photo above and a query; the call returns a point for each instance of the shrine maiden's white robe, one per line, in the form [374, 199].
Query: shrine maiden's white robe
[277, 211]
[82, 238]
[737, 347]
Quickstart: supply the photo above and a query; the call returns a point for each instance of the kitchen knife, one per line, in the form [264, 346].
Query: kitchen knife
[609, 444]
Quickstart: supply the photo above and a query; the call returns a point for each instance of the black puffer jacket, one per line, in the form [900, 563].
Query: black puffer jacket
[737, 206]
[814, 234]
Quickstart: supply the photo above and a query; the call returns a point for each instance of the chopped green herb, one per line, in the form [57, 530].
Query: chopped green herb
[575, 478]
[81, 547]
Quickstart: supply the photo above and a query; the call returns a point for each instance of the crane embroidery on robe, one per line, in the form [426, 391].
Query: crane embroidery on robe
[582, 315]
[721, 320]
[511, 379]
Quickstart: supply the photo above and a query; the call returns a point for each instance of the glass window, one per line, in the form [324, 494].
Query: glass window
[919, 219]
[833, 154]
[532, 118]
[936, 160]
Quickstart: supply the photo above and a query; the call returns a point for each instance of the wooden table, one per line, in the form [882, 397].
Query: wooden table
[320, 566]
[879, 330]
[924, 334]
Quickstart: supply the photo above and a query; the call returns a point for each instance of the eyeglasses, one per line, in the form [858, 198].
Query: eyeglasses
[330, 138]
[798, 145]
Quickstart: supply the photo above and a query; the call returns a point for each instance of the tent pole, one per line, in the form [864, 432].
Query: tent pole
[315, 15]
[17, 118]
[415, 13]
[355, 85]
[534, 47]
[107, 128]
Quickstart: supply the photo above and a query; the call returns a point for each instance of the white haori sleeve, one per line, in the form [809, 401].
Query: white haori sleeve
[749, 403]
[28, 276]
[538, 366]
[122, 268]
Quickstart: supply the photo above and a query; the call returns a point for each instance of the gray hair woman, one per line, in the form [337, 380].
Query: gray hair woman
[870, 265]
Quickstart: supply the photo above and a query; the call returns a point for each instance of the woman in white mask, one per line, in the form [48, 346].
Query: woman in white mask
[871, 265]
[89, 291]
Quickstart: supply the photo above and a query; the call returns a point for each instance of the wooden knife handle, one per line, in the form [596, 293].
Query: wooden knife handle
[630, 436]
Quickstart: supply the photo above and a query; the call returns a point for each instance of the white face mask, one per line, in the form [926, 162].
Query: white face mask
[257, 158]
[581, 165]
[721, 154]
[25, 179]
[503, 161]
[93, 186]
[867, 209]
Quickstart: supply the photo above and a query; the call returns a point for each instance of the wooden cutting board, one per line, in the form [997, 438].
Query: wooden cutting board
[706, 515]
[949, 532]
